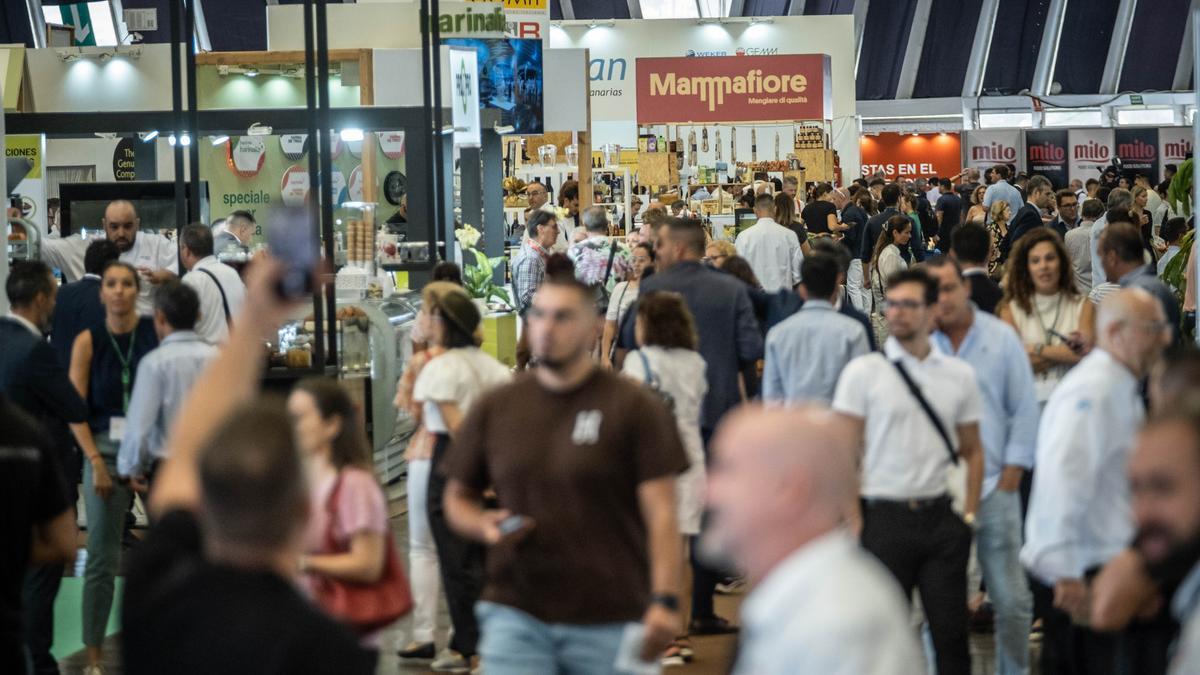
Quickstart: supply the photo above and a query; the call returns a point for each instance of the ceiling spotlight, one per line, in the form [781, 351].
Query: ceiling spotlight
[171, 140]
[185, 140]
[251, 72]
[915, 133]
[148, 136]
[258, 129]
[219, 140]
[942, 134]
[351, 135]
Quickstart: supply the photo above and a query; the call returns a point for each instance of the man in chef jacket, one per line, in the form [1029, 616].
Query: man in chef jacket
[154, 256]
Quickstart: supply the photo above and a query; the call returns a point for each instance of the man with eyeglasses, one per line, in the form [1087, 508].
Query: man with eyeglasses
[537, 195]
[1068, 212]
[916, 412]
[1080, 514]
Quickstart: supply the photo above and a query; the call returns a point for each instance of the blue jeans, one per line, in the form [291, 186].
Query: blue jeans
[515, 643]
[998, 543]
[105, 527]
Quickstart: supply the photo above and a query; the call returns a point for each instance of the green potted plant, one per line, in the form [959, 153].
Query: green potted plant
[479, 278]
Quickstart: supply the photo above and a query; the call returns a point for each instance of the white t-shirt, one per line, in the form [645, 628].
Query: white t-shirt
[905, 456]
[459, 376]
[619, 301]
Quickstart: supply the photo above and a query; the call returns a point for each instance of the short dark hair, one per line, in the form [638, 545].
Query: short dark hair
[1039, 183]
[1001, 171]
[1173, 229]
[198, 239]
[1119, 214]
[666, 321]
[349, 447]
[447, 271]
[678, 204]
[876, 181]
[690, 232]
[1124, 239]
[915, 276]
[890, 195]
[28, 279]
[568, 191]
[945, 185]
[1063, 194]
[819, 272]
[821, 189]
[1090, 182]
[252, 479]
[241, 215]
[179, 304]
[942, 260]
[836, 250]
[971, 243]
[1091, 209]
[649, 249]
[137, 278]
[560, 273]
[98, 254]
[537, 219]
[764, 202]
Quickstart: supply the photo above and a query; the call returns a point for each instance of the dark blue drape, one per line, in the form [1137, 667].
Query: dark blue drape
[1083, 47]
[1154, 41]
[947, 48]
[885, 37]
[1015, 44]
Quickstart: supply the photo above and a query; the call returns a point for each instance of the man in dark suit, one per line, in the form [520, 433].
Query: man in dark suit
[1068, 212]
[78, 306]
[1029, 216]
[971, 246]
[730, 338]
[32, 378]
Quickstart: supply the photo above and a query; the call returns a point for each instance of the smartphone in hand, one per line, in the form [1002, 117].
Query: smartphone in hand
[292, 239]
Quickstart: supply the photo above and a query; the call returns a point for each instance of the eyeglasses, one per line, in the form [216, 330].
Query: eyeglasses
[910, 305]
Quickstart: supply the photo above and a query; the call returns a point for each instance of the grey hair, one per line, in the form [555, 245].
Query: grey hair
[1120, 198]
[595, 219]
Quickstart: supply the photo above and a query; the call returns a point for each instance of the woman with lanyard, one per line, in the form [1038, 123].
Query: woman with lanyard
[1054, 320]
[104, 361]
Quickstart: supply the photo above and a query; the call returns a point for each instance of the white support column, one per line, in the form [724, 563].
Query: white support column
[635, 9]
[1043, 72]
[37, 23]
[568, 9]
[1187, 57]
[736, 7]
[860, 23]
[796, 7]
[1116, 47]
[977, 62]
[912, 52]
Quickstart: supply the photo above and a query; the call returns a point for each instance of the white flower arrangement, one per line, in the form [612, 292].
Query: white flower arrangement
[467, 236]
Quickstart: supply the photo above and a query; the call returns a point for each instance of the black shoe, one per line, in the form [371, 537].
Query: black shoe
[419, 650]
[713, 625]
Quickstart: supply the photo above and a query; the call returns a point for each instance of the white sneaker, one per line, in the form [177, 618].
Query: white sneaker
[449, 661]
[93, 670]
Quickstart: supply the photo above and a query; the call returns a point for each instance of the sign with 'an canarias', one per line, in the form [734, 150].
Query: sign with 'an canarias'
[734, 89]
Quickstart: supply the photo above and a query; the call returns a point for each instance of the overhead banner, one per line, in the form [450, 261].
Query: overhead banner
[510, 80]
[1091, 152]
[905, 155]
[1046, 155]
[480, 19]
[747, 89]
[134, 160]
[1138, 152]
[986, 149]
[1174, 145]
[525, 19]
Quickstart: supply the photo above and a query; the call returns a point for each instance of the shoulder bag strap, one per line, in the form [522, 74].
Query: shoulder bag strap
[651, 378]
[612, 254]
[929, 412]
[224, 300]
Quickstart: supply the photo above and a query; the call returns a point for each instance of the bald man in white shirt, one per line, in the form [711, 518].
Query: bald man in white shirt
[778, 490]
[153, 255]
[1080, 512]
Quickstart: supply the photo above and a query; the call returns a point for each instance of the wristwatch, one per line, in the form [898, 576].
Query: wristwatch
[666, 600]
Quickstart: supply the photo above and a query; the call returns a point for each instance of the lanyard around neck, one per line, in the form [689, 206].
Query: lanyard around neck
[126, 363]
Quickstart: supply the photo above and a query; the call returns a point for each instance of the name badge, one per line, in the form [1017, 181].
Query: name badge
[116, 429]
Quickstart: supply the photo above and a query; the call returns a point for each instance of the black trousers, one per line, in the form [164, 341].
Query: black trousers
[461, 561]
[1069, 649]
[927, 549]
[40, 590]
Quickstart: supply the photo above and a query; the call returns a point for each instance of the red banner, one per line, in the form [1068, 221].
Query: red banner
[733, 89]
[911, 156]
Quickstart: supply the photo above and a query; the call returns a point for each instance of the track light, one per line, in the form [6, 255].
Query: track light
[219, 140]
[351, 135]
[148, 136]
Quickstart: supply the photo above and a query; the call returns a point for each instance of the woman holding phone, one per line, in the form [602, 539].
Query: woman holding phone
[104, 361]
[1054, 320]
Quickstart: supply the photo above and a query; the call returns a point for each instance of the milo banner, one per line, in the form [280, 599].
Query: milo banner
[985, 149]
[1091, 153]
[1138, 151]
[1046, 155]
[1174, 146]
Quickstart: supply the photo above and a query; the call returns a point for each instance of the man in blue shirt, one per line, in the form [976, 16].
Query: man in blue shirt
[1001, 191]
[164, 378]
[1008, 429]
[807, 352]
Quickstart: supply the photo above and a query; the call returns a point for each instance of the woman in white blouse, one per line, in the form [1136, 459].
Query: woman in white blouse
[667, 361]
[623, 295]
[1054, 320]
[886, 261]
[445, 389]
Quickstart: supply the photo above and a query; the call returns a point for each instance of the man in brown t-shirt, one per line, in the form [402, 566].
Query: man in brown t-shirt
[588, 460]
